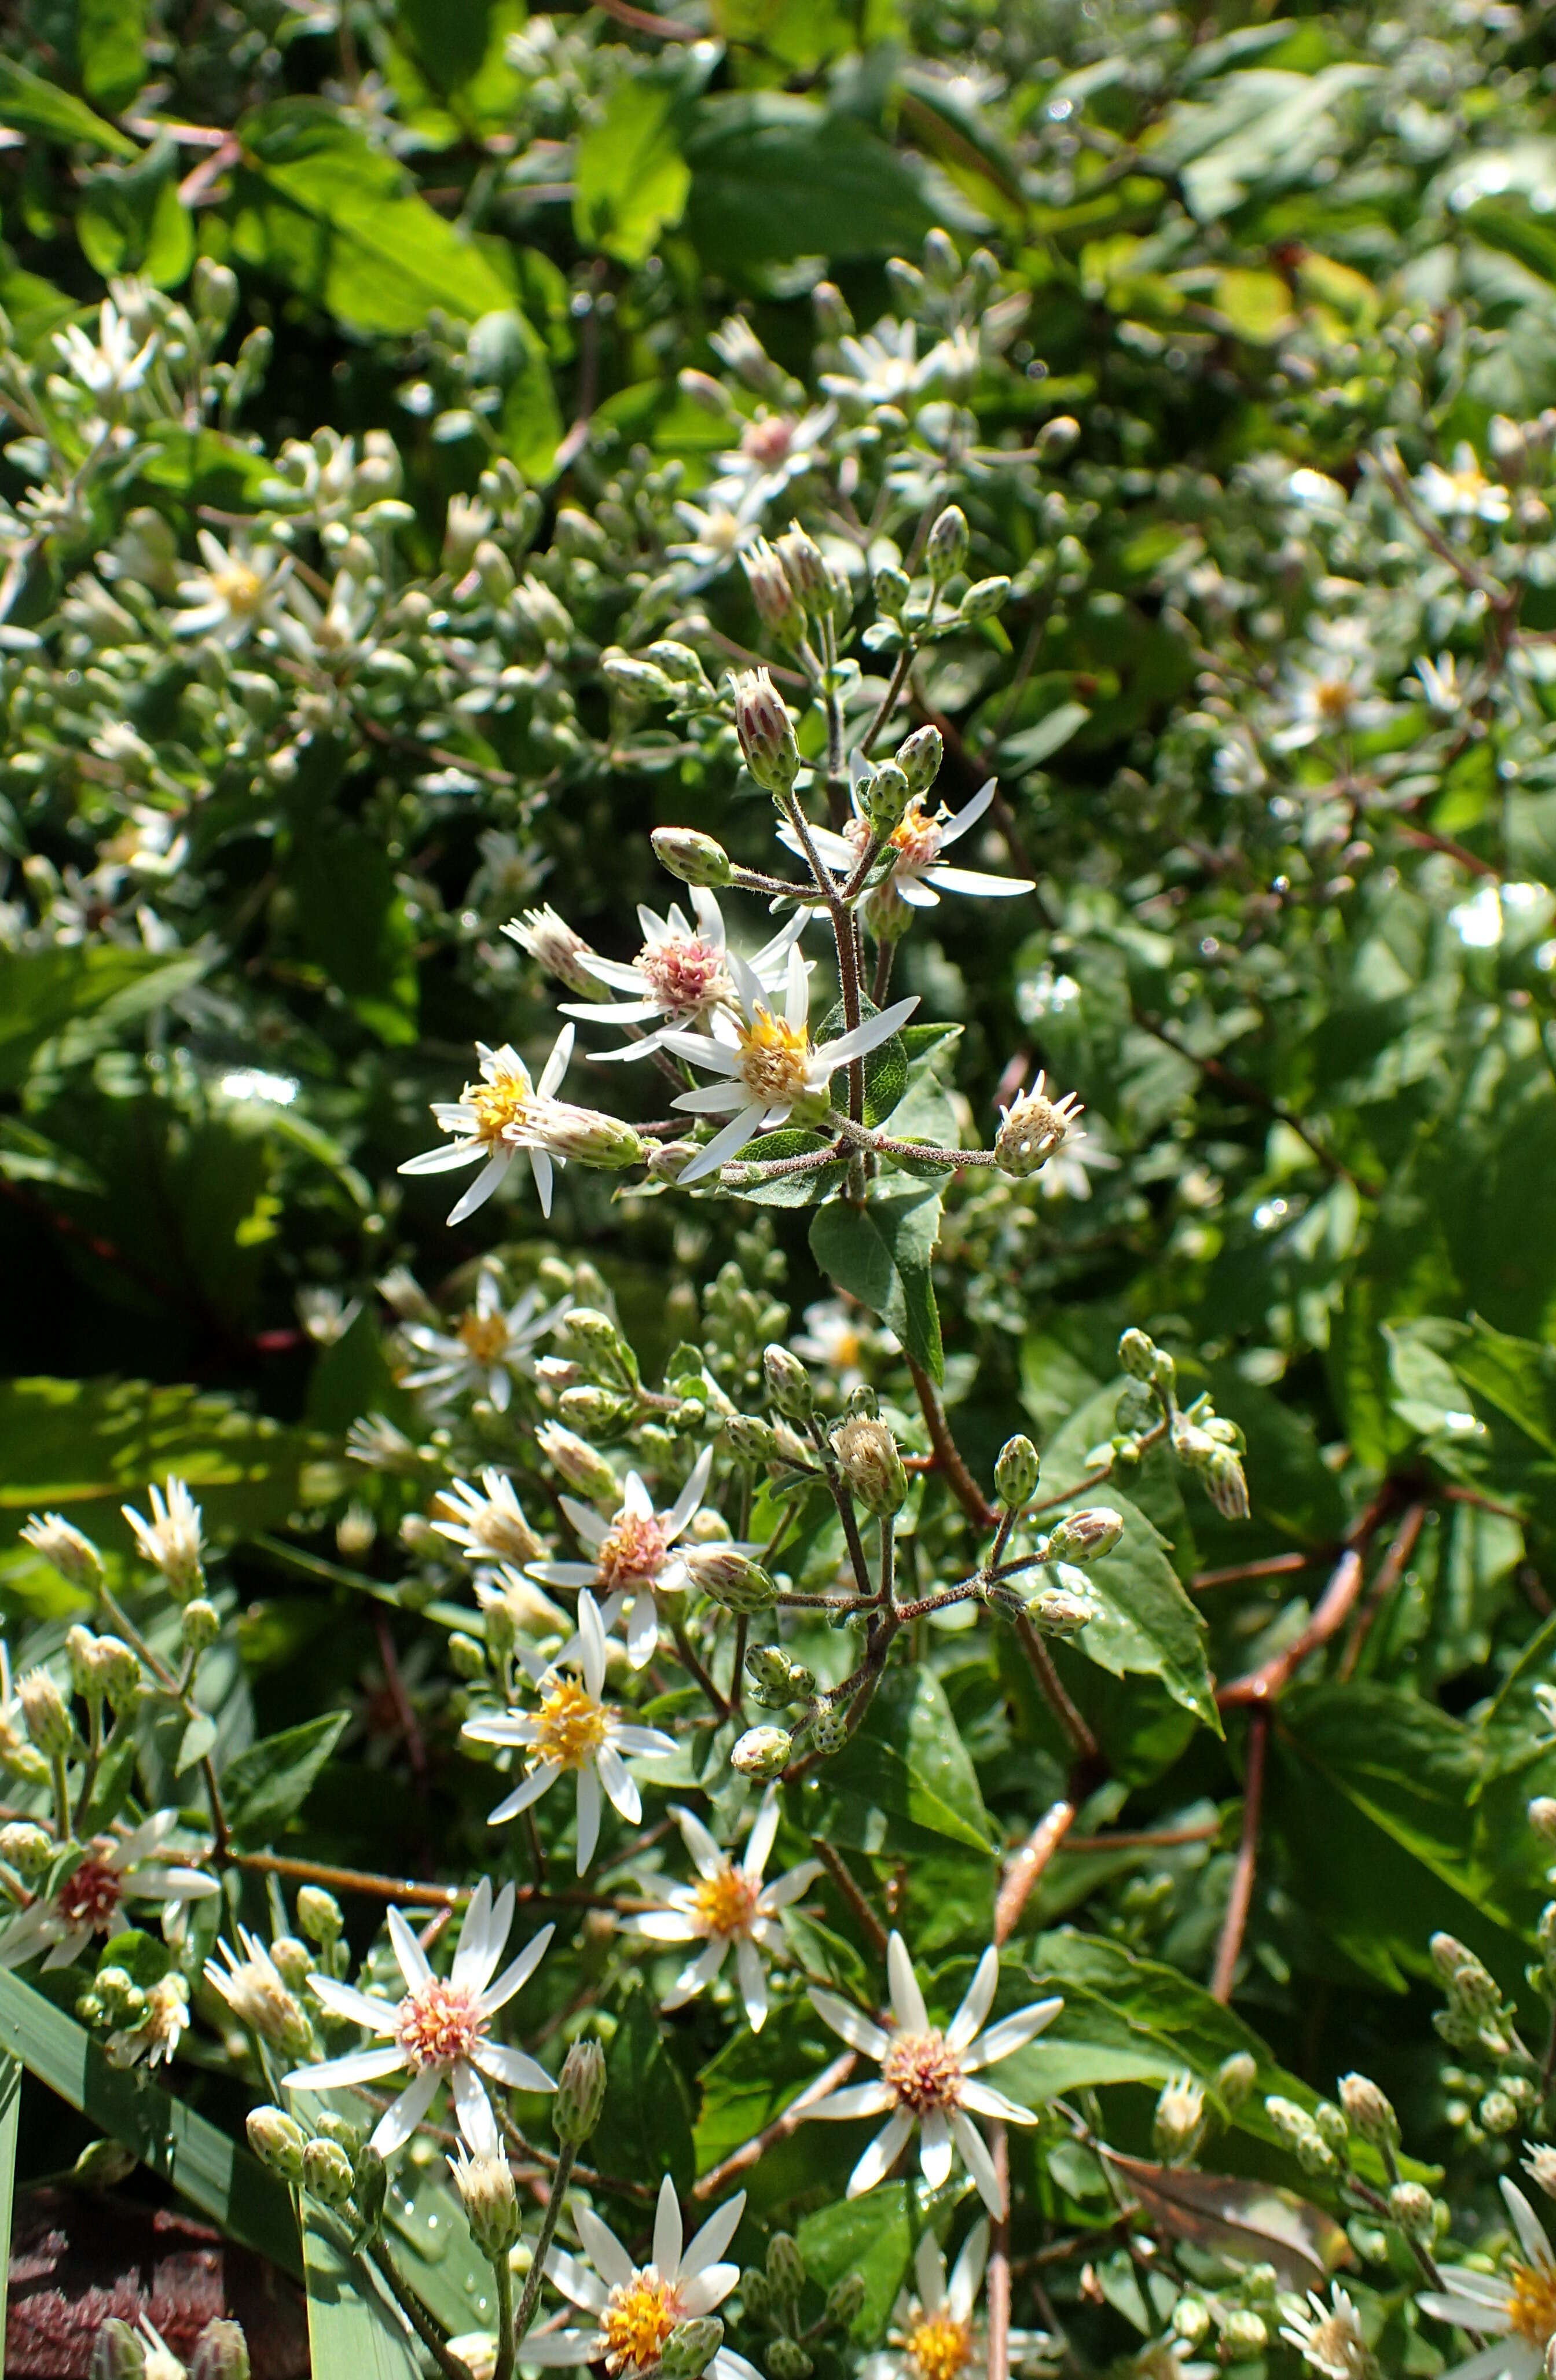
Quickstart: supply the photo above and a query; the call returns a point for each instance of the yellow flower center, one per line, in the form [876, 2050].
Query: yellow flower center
[486, 1337]
[726, 1903]
[571, 1725]
[772, 1057]
[634, 1551]
[1471, 482]
[923, 2071]
[916, 840]
[238, 587]
[1531, 2305]
[438, 2024]
[939, 2346]
[846, 1349]
[639, 2316]
[1332, 698]
[499, 1105]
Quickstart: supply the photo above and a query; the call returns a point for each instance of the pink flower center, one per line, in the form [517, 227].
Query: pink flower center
[438, 2024]
[91, 1896]
[769, 441]
[685, 972]
[916, 840]
[634, 1551]
[923, 2071]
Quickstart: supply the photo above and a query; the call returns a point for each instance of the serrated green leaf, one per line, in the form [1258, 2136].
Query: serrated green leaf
[905, 1774]
[881, 1254]
[268, 1783]
[1148, 1626]
[645, 2132]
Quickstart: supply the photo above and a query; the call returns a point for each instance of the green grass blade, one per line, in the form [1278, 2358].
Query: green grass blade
[228, 2186]
[11, 2112]
[354, 2332]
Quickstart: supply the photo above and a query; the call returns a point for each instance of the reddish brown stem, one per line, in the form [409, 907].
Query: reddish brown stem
[1391, 1570]
[1166, 1839]
[837, 1868]
[1334, 1609]
[1229, 1949]
[829, 2079]
[948, 1454]
[1021, 1876]
[999, 2261]
[1082, 1741]
[1271, 1566]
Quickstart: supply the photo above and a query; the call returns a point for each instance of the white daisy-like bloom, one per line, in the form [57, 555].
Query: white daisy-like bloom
[484, 1349]
[1334, 699]
[634, 1553]
[917, 876]
[718, 532]
[882, 366]
[1516, 2308]
[239, 588]
[729, 1904]
[836, 1337]
[1329, 2337]
[935, 2332]
[773, 1068]
[488, 1524]
[1442, 685]
[931, 2079]
[93, 1900]
[485, 1119]
[171, 1540]
[1068, 1172]
[441, 2031]
[680, 977]
[572, 1728]
[775, 450]
[112, 368]
[1463, 493]
[632, 2309]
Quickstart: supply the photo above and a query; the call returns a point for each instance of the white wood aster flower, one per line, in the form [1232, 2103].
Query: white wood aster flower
[936, 2332]
[730, 1905]
[918, 875]
[681, 977]
[116, 1870]
[635, 1559]
[930, 2079]
[572, 1728]
[485, 1119]
[441, 2031]
[1516, 2308]
[632, 2309]
[485, 1348]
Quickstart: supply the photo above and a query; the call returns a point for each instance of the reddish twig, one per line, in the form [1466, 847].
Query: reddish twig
[998, 2298]
[1163, 1840]
[1270, 1566]
[1229, 1948]
[1330, 1613]
[837, 1868]
[829, 2079]
[948, 1454]
[1082, 1741]
[1025, 1868]
[1391, 1570]
[643, 20]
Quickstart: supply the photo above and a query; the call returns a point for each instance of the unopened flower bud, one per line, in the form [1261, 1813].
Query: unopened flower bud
[788, 1382]
[786, 2265]
[845, 2300]
[1235, 2077]
[778, 606]
[867, 1457]
[982, 601]
[319, 1914]
[695, 858]
[467, 523]
[1369, 2110]
[26, 1847]
[80, 1650]
[787, 2359]
[292, 1960]
[1032, 1129]
[582, 1466]
[221, 2353]
[1226, 1483]
[768, 1665]
[804, 566]
[1542, 1818]
[1016, 1471]
[117, 2352]
[466, 1658]
[494, 571]
[1136, 1354]
[762, 1752]
[893, 587]
[754, 1440]
[1087, 1535]
[1243, 2335]
[1179, 2122]
[1411, 2207]
[199, 1626]
[586, 1134]
[637, 680]
[277, 2141]
[691, 2347]
[1498, 2112]
[372, 2184]
[1191, 2319]
[1057, 438]
[947, 548]
[580, 2093]
[730, 1577]
[46, 1715]
[1540, 2164]
[1330, 2124]
[765, 732]
[919, 758]
[326, 2172]
[829, 1733]
[62, 1544]
[491, 2201]
[1062, 1611]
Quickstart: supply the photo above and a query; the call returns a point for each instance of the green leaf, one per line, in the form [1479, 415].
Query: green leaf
[44, 112]
[645, 2132]
[111, 49]
[904, 1775]
[131, 219]
[44, 991]
[881, 1254]
[268, 1783]
[885, 1067]
[629, 179]
[1148, 1626]
[353, 920]
[789, 1189]
[1516, 1376]
[776, 176]
[355, 2332]
[227, 2186]
[200, 1734]
[10, 2117]
[1507, 224]
[754, 2076]
[1033, 745]
[868, 2238]
[341, 224]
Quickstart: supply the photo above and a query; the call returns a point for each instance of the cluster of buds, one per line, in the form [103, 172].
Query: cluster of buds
[774, 2296]
[336, 2163]
[1476, 2016]
[121, 2352]
[1317, 2140]
[1204, 1442]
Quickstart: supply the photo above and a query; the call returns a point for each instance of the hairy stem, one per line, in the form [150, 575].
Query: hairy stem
[549, 2222]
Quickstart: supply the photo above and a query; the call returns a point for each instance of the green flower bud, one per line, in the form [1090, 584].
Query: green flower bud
[467, 1658]
[326, 2172]
[26, 1847]
[46, 1715]
[1191, 2319]
[292, 1961]
[117, 2352]
[788, 1382]
[1498, 2112]
[1412, 2209]
[319, 1914]
[867, 1457]
[496, 572]
[637, 680]
[1226, 1483]
[754, 1440]
[777, 606]
[829, 1733]
[1136, 1354]
[118, 1672]
[80, 1648]
[786, 2359]
[1243, 2335]
[491, 2201]
[893, 587]
[845, 2300]
[1061, 1611]
[62, 1544]
[762, 1752]
[690, 2348]
[786, 2265]
[582, 1466]
[730, 1577]
[982, 601]
[948, 544]
[199, 1625]
[1331, 2124]
[679, 663]
[580, 2093]
[1369, 2110]
[589, 1407]
[755, 2295]
[768, 1665]
[804, 566]
[1179, 2123]
[1017, 1472]
[221, 2353]
[277, 2141]
[1057, 438]
[765, 732]
[919, 758]
[695, 858]
[372, 2184]
[1235, 2077]
[1087, 1535]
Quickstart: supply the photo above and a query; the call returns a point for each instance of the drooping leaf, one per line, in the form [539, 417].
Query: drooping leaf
[1147, 1625]
[355, 2330]
[268, 1783]
[44, 112]
[1249, 2222]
